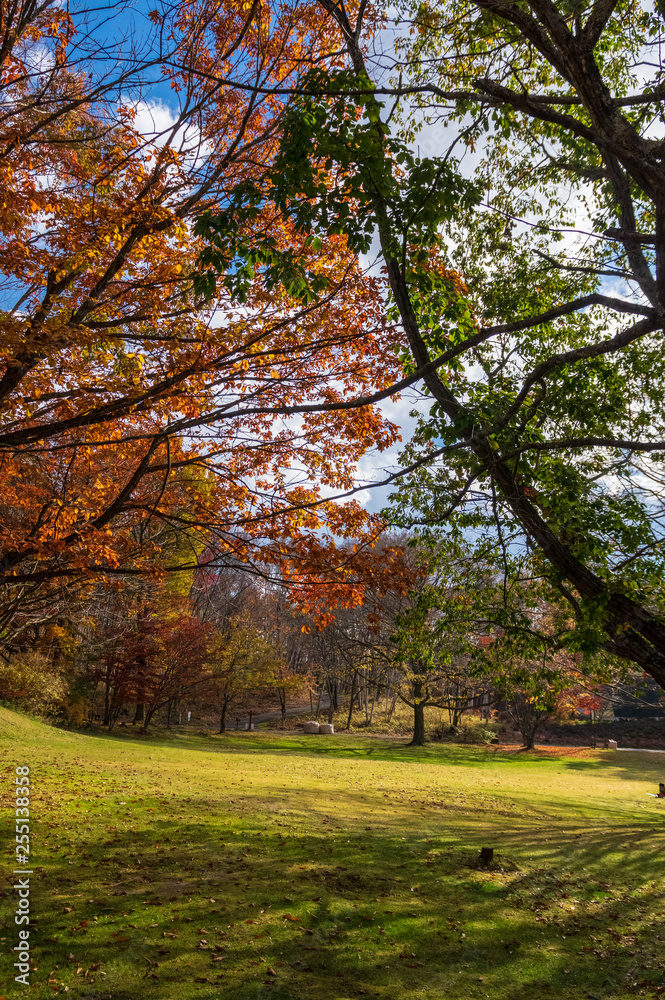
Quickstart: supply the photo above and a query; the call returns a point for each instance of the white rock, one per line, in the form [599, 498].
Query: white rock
[312, 727]
[612, 745]
[326, 729]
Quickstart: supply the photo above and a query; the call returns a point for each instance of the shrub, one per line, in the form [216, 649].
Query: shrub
[30, 681]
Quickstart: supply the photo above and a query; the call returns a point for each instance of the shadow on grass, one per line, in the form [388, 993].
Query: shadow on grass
[379, 916]
[339, 745]
[632, 767]
[571, 908]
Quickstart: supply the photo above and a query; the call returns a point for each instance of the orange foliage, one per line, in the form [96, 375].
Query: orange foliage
[131, 411]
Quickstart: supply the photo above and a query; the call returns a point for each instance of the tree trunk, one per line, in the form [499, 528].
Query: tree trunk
[107, 697]
[331, 703]
[148, 716]
[139, 715]
[353, 688]
[371, 711]
[418, 724]
[222, 718]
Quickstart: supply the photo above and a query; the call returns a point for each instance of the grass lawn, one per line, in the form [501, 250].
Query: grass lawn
[250, 864]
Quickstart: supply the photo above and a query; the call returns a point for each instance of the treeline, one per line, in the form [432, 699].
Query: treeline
[151, 651]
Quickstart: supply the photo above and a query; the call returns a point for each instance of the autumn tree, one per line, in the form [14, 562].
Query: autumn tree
[242, 660]
[282, 627]
[161, 656]
[146, 419]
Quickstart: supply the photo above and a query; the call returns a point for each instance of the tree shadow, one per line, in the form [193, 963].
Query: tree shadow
[345, 922]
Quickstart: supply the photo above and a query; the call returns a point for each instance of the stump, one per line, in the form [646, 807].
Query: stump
[486, 855]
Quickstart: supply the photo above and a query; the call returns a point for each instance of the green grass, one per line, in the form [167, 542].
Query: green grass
[342, 867]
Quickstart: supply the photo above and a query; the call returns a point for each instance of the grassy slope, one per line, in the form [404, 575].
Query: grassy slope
[337, 867]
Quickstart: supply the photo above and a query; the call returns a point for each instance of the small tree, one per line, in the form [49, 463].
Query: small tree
[179, 664]
[241, 660]
[438, 635]
[530, 685]
[526, 714]
[423, 657]
[287, 682]
[162, 655]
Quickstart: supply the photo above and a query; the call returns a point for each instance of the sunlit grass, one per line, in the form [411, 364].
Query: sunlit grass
[343, 867]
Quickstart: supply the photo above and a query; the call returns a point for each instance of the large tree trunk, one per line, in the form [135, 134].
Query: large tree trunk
[421, 697]
[139, 715]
